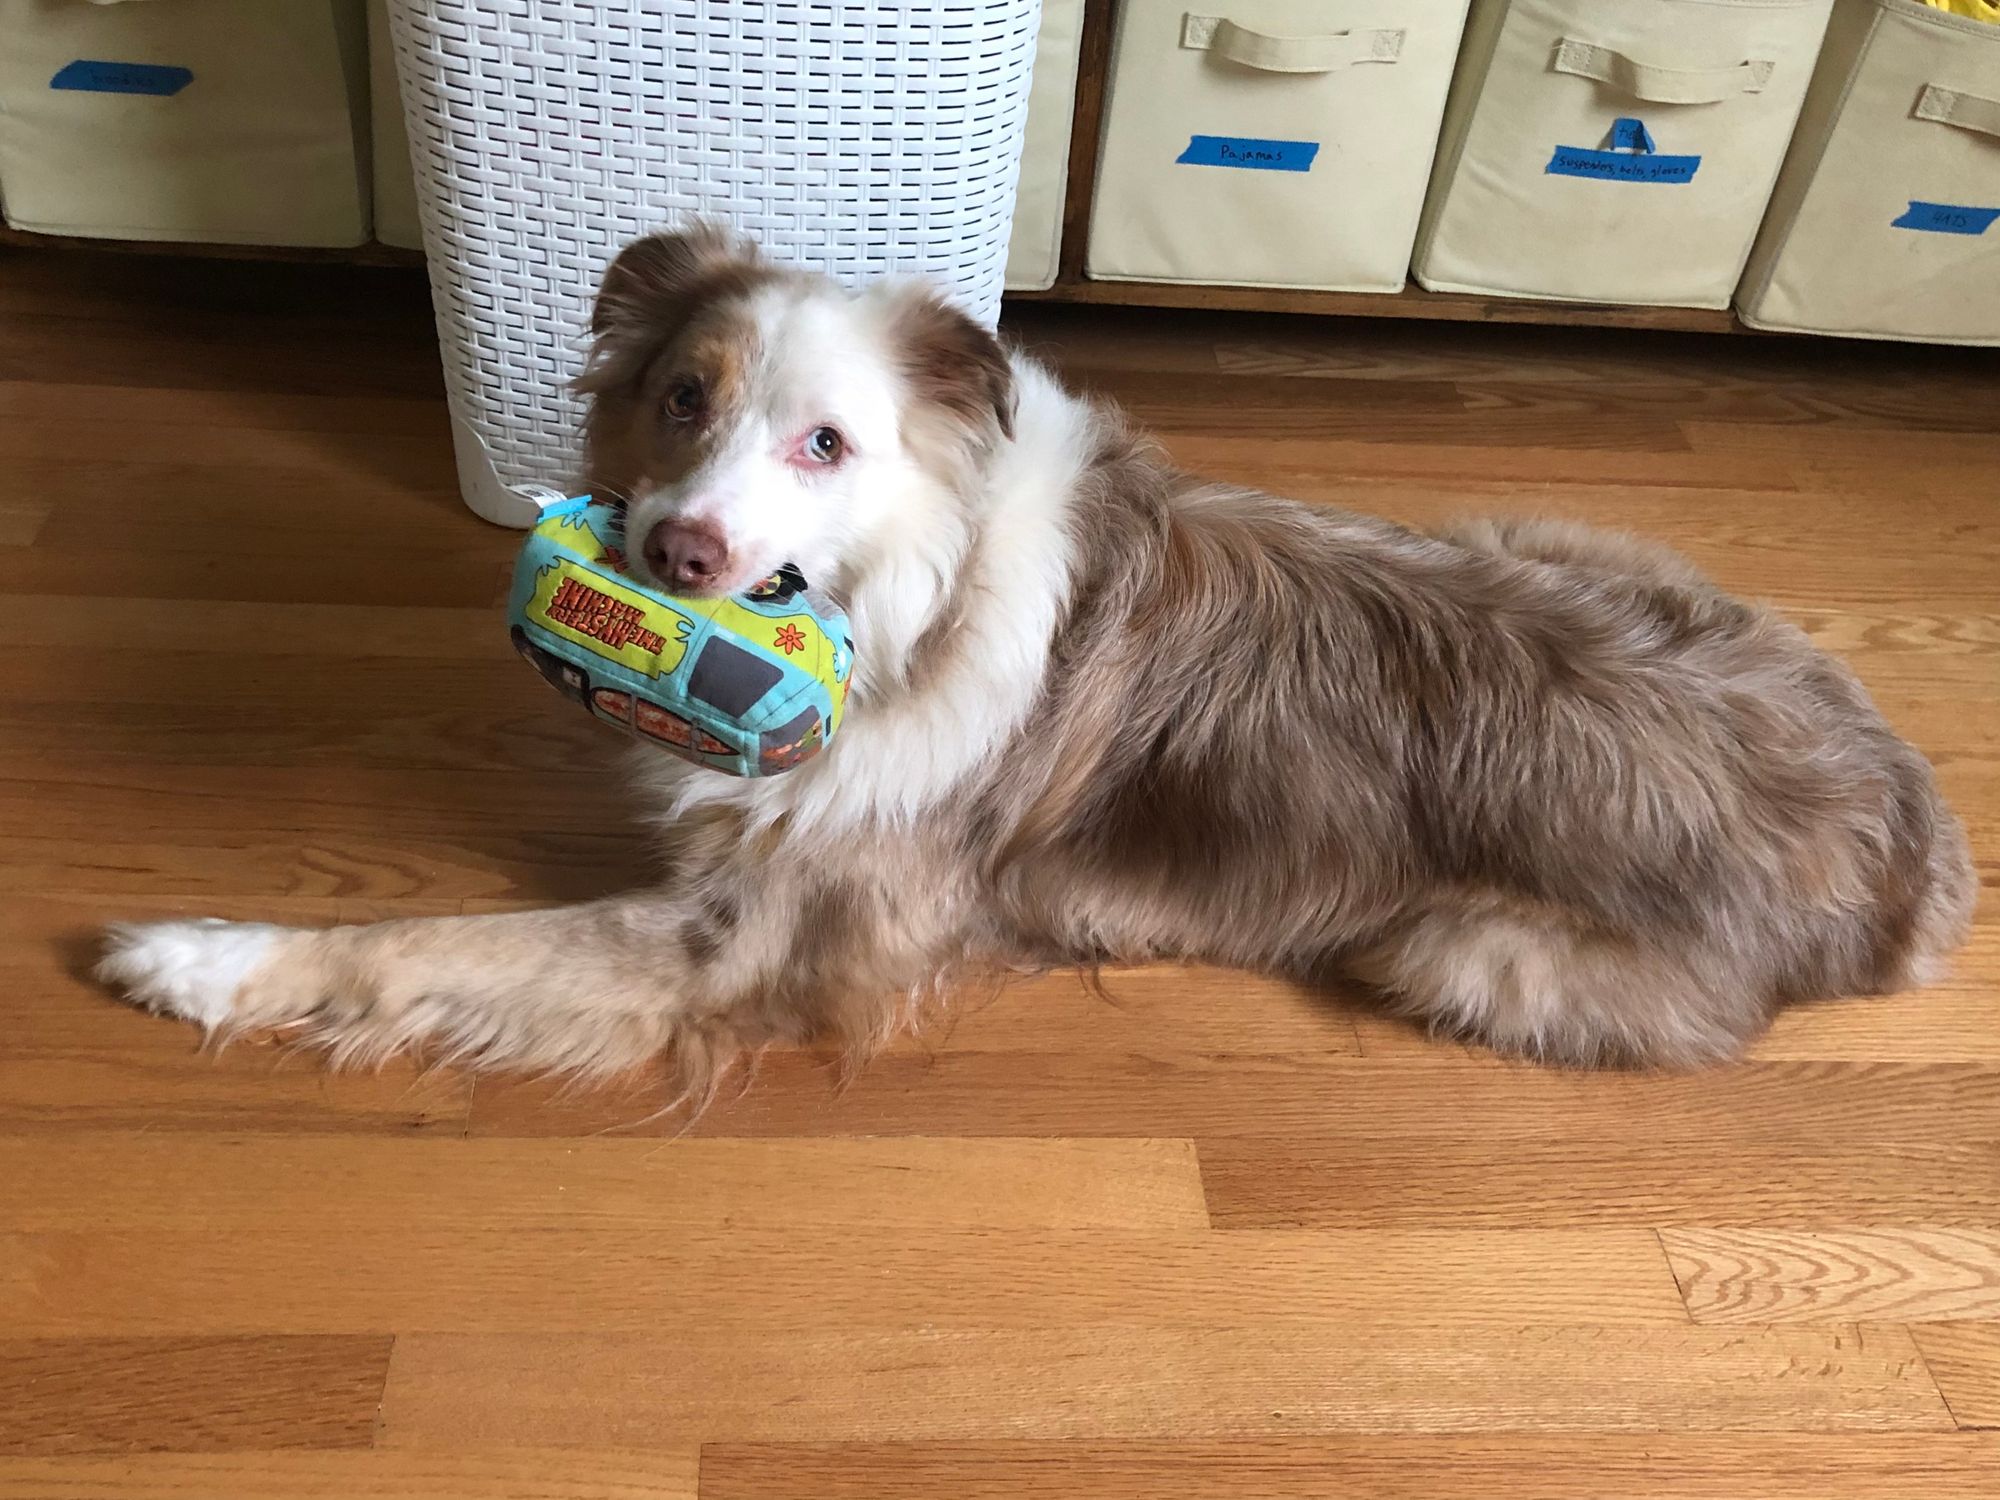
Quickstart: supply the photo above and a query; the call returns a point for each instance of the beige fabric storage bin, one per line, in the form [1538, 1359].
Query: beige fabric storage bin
[1036, 244]
[395, 186]
[236, 121]
[1886, 221]
[1543, 189]
[1270, 142]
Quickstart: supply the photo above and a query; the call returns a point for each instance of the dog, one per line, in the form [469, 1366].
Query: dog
[1533, 785]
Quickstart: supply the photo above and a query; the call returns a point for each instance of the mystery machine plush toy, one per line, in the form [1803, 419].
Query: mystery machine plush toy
[751, 684]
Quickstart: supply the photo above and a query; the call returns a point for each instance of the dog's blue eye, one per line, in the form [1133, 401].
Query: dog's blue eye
[824, 444]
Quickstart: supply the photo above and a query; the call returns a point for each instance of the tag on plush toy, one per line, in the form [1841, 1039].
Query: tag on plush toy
[751, 684]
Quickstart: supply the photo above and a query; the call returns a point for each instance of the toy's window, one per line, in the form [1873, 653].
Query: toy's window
[728, 678]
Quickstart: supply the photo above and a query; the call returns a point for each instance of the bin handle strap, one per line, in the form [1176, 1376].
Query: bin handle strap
[1953, 107]
[1288, 54]
[1657, 84]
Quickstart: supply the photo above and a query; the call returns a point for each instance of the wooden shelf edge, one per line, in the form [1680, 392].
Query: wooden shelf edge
[1412, 302]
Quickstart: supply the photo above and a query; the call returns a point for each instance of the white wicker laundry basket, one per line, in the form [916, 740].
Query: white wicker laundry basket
[855, 137]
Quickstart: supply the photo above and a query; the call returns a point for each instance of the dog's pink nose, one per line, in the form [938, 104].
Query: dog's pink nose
[686, 554]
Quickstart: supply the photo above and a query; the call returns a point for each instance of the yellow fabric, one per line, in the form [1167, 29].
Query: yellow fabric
[1979, 10]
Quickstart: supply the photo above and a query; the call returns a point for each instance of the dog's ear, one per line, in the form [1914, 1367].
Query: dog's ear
[954, 365]
[656, 283]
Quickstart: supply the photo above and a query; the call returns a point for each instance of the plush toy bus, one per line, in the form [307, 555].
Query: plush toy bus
[751, 684]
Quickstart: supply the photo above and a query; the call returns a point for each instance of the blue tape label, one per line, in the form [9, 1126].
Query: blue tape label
[1254, 155]
[92, 77]
[1621, 166]
[1946, 218]
[1630, 135]
[1627, 156]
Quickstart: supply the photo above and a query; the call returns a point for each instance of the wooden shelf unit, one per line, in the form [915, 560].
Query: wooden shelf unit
[1071, 284]
[1094, 70]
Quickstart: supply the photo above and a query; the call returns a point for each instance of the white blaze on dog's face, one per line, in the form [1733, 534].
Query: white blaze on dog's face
[780, 426]
[752, 416]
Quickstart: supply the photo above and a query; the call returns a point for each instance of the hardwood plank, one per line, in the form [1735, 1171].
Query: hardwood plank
[161, 1081]
[362, 575]
[1384, 1466]
[1895, 468]
[1621, 1179]
[1448, 1098]
[500, 1474]
[175, 324]
[415, 458]
[1947, 1022]
[192, 1395]
[172, 509]
[1444, 462]
[32, 402]
[56, 622]
[297, 713]
[208, 348]
[1074, 340]
[1883, 1275]
[330, 832]
[269, 684]
[120, 1182]
[607, 1279]
[22, 517]
[1787, 382]
[1964, 1360]
[1144, 1381]
[1370, 410]
[197, 803]
[1881, 457]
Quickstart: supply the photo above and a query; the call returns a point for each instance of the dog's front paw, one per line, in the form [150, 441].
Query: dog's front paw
[194, 970]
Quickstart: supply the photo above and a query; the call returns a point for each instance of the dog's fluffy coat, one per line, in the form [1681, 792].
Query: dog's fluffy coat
[1536, 785]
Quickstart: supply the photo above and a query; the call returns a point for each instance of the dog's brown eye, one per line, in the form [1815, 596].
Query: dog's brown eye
[825, 444]
[683, 401]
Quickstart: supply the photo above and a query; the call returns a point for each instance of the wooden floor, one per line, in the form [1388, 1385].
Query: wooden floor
[1215, 1238]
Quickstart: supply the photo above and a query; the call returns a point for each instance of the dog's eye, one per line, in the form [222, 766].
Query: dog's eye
[825, 445]
[683, 402]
